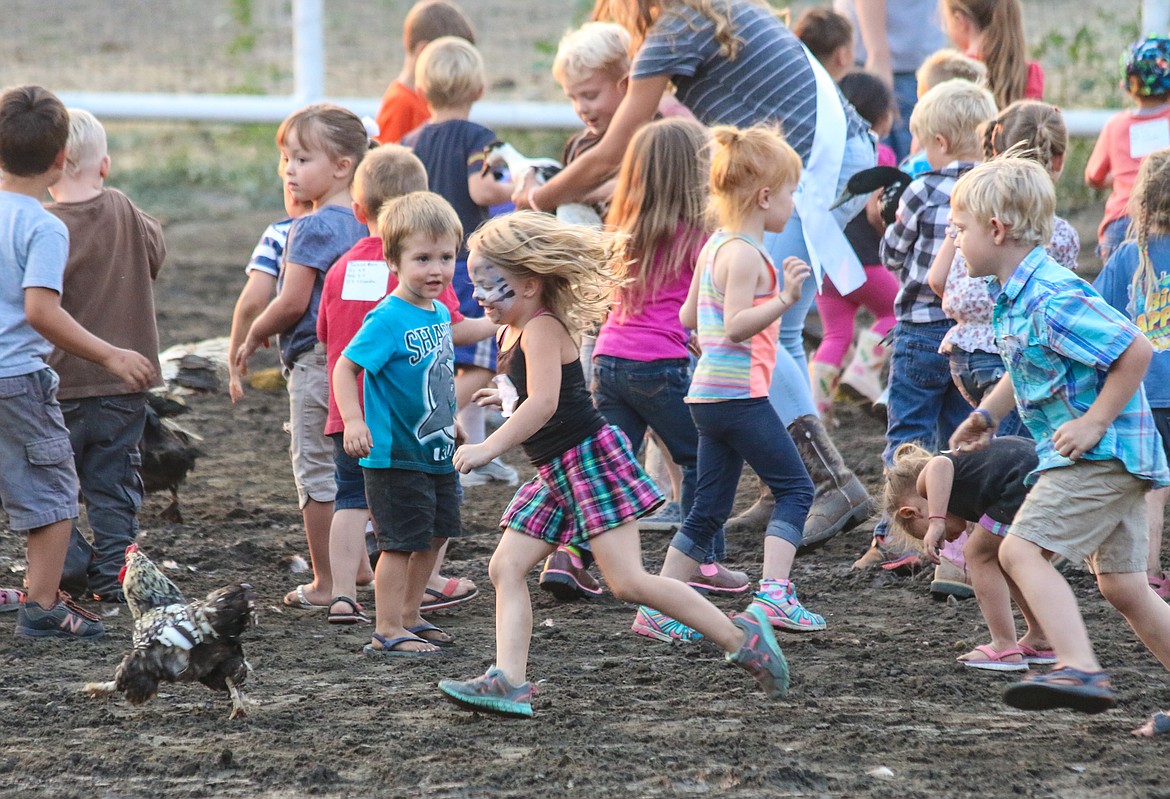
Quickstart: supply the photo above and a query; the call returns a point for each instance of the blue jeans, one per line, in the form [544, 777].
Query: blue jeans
[976, 373]
[905, 95]
[730, 433]
[105, 433]
[925, 405]
[790, 393]
[1111, 237]
[634, 395]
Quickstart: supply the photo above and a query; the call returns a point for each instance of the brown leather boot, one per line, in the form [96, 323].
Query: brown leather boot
[757, 516]
[840, 501]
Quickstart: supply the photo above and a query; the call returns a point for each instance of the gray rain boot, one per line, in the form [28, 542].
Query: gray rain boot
[840, 501]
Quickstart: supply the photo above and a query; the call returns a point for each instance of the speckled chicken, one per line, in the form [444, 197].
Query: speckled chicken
[168, 452]
[177, 641]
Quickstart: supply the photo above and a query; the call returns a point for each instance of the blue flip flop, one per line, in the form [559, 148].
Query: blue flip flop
[418, 630]
[389, 647]
[1158, 724]
[1084, 691]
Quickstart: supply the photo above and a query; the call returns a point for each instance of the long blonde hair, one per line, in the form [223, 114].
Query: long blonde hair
[638, 16]
[902, 480]
[1149, 212]
[660, 203]
[1003, 48]
[574, 264]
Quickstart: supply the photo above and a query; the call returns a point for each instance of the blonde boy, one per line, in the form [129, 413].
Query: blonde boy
[388, 172]
[405, 435]
[925, 406]
[115, 254]
[403, 109]
[450, 75]
[1096, 443]
[948, 64]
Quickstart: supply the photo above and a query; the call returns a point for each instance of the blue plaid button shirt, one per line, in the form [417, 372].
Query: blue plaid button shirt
[1058, 338]
[910, 244]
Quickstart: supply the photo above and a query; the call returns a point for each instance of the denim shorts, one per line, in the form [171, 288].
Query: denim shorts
[1162, 424]
[348, 473]
[410, 509]
[975, 374]
[482, 353]
[38, 484]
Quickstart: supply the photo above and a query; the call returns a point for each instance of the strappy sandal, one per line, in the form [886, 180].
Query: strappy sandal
[355, 614]
[1086, 691]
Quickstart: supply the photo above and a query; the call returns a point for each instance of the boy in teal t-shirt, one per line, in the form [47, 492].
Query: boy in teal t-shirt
[406, 436]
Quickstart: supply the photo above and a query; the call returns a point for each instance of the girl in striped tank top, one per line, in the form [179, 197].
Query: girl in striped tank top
[735, 306]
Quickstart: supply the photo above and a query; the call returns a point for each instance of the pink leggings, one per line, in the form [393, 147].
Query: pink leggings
[837, 313]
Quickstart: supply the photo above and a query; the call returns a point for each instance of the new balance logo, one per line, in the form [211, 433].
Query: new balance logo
[72, 623]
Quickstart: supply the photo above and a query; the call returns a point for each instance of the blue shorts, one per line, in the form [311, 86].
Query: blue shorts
[1162, 424]
[351, 481]
[38, 484]
[481, 353]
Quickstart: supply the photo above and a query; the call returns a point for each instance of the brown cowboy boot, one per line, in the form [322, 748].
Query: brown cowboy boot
[840, 501]
[757, 516]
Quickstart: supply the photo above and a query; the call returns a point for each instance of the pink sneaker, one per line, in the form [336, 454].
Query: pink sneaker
[1161, 585]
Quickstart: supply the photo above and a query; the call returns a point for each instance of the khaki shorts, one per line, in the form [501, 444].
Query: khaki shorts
[1093, 511]
[310, 449]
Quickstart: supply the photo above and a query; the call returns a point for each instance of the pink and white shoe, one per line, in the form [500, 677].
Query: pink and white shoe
[777, 600]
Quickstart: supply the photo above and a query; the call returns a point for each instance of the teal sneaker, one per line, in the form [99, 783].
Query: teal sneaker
[491, 693]
[782, 608]
[760, 655]
[654, 624]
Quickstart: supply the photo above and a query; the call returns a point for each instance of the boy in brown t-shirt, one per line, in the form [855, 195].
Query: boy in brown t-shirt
[115, 253]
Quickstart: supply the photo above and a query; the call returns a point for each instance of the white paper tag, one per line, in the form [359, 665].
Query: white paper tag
[1147, 137]
[365, 281]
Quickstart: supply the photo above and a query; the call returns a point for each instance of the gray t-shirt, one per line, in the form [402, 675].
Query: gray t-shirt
[34, 246]
[912, 29]
[770, 79]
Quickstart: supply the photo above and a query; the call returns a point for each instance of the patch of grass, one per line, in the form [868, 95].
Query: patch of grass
[195, 171]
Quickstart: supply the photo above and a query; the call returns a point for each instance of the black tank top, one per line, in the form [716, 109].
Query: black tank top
[575, 418]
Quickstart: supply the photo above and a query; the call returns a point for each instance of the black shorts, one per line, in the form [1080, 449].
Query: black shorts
[411, 508]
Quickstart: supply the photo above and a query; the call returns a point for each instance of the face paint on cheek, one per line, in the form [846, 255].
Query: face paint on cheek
[492, 287]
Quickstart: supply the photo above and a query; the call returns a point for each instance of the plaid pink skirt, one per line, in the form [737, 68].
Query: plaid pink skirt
[593, 487]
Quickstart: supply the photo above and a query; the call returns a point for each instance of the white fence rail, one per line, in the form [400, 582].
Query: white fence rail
[309, 28]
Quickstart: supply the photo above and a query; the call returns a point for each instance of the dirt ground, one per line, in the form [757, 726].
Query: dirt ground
[878, 706]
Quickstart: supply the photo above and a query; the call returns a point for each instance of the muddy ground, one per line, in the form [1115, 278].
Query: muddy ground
[877, 693]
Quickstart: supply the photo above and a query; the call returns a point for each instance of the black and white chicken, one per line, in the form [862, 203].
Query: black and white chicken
[179, 641]
[168, 451]
[500, 153]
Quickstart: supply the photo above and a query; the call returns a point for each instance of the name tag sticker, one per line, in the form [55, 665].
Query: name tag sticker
[1146, 137]
[365, 281]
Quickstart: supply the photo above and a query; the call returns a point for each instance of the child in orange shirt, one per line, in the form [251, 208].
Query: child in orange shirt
[403, 109]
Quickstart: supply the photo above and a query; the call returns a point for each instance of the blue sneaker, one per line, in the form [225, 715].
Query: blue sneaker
[62, 620]
[491, 693]
[653, 624]
[760, 655]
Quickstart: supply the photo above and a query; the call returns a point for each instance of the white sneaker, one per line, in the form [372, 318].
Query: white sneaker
[492, 470]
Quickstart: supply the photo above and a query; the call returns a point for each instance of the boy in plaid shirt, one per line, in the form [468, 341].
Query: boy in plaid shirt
[1074, 371]
[924, 405]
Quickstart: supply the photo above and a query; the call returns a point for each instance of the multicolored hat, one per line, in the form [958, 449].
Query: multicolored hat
[1146, 67]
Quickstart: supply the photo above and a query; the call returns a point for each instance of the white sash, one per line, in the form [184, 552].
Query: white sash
[829, 251]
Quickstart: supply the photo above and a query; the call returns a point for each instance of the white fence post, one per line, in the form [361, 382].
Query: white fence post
[308, 35]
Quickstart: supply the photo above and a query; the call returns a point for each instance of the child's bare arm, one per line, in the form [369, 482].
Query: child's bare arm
[486, 191]
[688, 313]
[1076, 437]
[976, 430]
[254, 296]
[542, 346]
[356, 439]
[940, 268]
[935, 483]
[741, 318]
[469, 331]
[42, 308]
[282, 313]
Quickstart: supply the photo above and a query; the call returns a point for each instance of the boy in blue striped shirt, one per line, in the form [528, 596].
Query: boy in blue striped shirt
[1074, 371]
